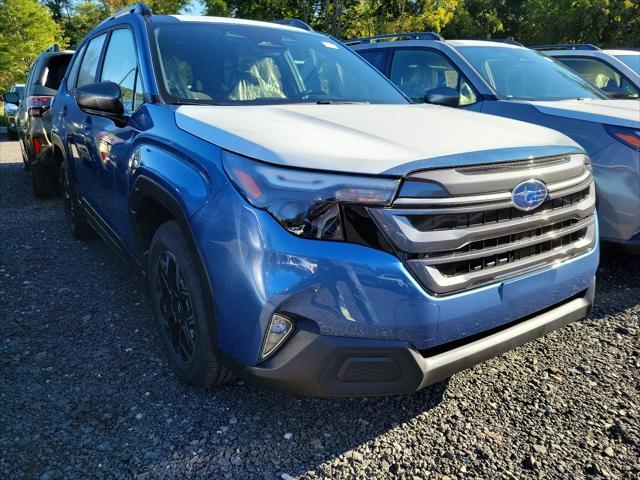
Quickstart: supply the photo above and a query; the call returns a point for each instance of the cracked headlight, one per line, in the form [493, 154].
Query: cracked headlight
[306, 202]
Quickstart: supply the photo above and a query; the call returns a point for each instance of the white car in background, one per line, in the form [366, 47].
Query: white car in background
[615, 72]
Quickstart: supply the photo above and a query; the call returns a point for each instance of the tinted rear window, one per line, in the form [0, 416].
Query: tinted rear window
[52, 73]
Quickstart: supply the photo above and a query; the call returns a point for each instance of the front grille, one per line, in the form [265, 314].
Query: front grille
[427, 223]
[468, 266]
[453, 244]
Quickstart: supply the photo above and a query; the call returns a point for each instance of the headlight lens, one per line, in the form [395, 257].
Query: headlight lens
[306, 202]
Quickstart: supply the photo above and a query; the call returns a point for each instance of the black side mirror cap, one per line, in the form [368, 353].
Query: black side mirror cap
[11, 97]
[104, 98]
[445, 96]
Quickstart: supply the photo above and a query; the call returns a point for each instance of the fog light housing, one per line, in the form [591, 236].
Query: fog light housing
[278, 331]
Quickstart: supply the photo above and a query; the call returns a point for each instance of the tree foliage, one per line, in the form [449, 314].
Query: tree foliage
[26, 29]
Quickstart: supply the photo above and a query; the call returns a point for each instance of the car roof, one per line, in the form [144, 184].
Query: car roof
[482, 43]
[416, 42]
[224, 20]
[622, 52]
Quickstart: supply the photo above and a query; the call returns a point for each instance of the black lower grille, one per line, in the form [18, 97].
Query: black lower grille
[491, 261]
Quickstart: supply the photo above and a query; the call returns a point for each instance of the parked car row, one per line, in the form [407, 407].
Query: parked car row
[508, 80]
[301, 222]
[33, 118]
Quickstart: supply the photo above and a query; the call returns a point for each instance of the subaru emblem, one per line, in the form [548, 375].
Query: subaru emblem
[529, 195]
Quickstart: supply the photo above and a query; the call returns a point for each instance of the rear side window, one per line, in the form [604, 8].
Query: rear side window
[600, 74]
[73, 73]
[120, 65]
[89, 66]
[416, 71]
[377, 58]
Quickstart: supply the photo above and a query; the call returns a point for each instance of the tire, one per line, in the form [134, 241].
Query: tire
[44, 182]
[76, 218]
[178, 305]
[12, 134]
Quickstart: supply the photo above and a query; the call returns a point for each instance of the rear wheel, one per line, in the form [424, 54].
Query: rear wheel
[76, 218]
[177, 300]
[44, 181]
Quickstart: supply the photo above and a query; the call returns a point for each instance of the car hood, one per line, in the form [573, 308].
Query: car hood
[362, 138]
[623, 113]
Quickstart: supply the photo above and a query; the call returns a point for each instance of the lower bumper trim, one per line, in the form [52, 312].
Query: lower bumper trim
[315, 365]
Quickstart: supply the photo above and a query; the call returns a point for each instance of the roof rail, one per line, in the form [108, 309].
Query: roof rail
[141, 8]
[399, 36]
[566, 46]
[53, 48]
[508, 41]
[294, 22]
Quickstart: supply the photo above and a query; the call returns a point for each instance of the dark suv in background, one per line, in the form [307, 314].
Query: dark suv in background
[11, 109]
[34, 119]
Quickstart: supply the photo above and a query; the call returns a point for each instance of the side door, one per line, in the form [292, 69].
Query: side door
[79, 123]
[110, 140]
[416, 70]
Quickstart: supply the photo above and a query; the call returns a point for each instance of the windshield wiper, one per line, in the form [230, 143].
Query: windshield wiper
[340, 102]
[192, 102]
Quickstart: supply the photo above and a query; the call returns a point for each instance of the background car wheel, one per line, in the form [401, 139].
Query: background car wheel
[76, 219]
[178, 306]
[44, 182]
[12, 135]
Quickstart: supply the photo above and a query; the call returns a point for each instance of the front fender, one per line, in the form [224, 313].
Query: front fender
[185, 182]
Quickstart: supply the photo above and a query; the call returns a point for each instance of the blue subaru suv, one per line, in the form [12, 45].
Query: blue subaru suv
[297, 223]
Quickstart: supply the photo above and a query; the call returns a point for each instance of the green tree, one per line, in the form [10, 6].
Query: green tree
[86, 15]
[26, 29]
[164, 7]
[475, 19]
[216, 8]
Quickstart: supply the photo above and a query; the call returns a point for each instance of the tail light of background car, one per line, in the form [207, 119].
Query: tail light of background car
[37, 105]
[628, 136]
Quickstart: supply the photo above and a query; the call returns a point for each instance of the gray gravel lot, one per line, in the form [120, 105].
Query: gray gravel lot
[85, 391]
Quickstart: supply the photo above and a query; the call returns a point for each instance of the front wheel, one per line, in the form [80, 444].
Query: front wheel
[179, 309]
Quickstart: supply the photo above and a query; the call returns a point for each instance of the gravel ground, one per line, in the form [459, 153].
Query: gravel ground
[85, 391]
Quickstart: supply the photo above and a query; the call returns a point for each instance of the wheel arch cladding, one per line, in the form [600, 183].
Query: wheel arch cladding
[150, 196]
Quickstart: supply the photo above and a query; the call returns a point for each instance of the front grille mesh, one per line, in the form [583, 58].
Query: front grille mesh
[433, 222]
[492, 261]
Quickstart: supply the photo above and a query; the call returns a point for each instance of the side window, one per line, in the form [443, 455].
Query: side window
[89, 65]
[120, 65]
[73, 72]
[600, 74]
[377, 58]
[416, 71]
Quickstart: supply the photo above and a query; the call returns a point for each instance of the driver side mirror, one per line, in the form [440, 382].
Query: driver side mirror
[104, 98]
[445, 96]
[11, 97]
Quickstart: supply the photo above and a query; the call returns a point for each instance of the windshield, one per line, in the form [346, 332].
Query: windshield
[631, 61]
[522, 74]
[231, 64]
[18, 89]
